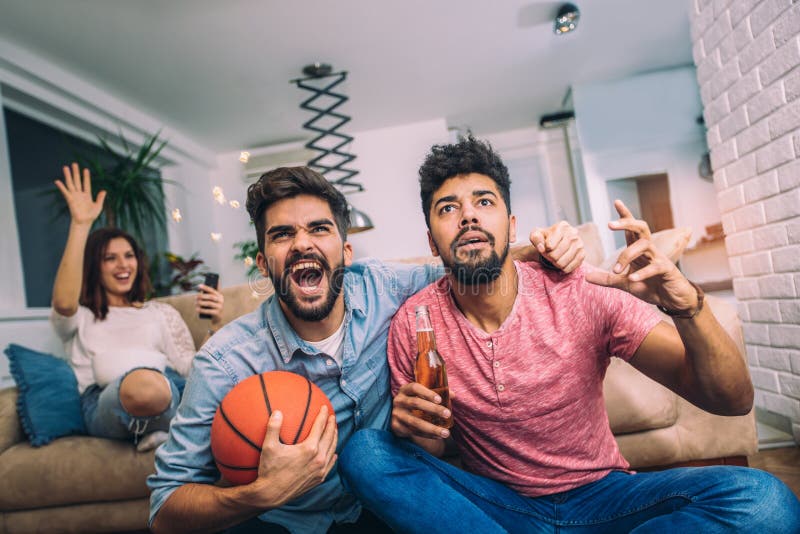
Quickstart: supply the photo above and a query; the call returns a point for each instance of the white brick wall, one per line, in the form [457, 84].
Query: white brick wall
[747, 54]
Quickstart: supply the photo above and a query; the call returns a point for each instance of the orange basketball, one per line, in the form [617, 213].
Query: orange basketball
[240, 423]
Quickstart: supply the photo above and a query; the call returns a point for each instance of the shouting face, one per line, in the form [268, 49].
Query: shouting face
[304, 256]
[470, 228]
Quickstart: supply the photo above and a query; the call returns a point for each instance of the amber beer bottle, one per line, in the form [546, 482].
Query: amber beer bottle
[430, 370]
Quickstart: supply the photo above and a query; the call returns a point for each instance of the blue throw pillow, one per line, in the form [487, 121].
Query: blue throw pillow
[48, 405]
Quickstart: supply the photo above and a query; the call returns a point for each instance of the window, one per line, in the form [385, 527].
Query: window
[37, 152]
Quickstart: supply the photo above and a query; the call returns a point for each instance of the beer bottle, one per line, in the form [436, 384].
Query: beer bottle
[430, 369]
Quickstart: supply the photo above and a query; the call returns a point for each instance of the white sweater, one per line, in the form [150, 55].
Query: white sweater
[154, 336]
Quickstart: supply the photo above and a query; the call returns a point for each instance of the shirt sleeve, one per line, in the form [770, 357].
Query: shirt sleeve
[65, 326]
[67, 330]
[179, 345]
[401, 350]
[623, 320]
[412, 278]
[186, 456]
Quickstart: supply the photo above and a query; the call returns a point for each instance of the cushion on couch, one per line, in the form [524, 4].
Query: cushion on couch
[49, 405]
[635, 402]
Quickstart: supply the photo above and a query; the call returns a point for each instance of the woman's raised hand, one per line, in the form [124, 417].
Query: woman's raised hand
[78, 194]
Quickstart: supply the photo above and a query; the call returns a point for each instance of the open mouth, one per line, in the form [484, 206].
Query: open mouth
[472, 240]
[307, 274]
[122, 277]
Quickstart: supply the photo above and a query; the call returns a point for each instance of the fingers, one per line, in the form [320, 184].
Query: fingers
[101, 198]
[76, 177]
[641, 247]
[622, 209]
[87, 181]
[538, 240]
[607, 279]
[272, 438]
[409, 405]
[62, 188]
[320, 425]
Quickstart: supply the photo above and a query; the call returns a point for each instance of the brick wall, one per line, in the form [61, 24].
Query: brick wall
[747, 54]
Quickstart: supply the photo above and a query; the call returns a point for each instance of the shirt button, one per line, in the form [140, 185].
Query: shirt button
[489, 344]
[501, 387]
[496, 364]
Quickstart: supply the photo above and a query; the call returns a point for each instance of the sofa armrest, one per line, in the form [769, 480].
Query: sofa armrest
[10, 428]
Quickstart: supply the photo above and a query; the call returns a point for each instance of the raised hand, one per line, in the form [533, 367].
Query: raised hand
[644, 271]
[78, 194]
[288, 471]
[415, 397]
[560, 245]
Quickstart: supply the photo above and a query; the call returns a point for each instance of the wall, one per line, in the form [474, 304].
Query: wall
[49, 93]
[645, 124]
[747, 55]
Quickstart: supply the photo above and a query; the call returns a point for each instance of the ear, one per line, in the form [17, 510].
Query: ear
[512, 229]
[347, 250]
[261, 261]
[434, 248]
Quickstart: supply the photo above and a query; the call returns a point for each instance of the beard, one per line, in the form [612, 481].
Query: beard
[474, 271]
[306, 311]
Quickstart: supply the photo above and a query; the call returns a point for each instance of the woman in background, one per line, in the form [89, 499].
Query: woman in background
[119, 345]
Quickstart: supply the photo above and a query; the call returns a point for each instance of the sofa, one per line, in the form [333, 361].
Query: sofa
[86, 484]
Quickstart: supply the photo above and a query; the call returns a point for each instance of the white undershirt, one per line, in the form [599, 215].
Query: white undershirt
[332, 345]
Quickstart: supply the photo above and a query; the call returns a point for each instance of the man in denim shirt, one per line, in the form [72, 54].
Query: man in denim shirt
[329, 323]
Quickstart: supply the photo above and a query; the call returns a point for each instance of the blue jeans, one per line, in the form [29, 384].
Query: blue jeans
[105, 416]
[413, 491]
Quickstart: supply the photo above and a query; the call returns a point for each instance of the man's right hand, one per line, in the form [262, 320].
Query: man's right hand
[78, 194]
[287, 471]
[414, 396]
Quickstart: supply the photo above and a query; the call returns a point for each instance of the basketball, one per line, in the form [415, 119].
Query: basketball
[240, 423]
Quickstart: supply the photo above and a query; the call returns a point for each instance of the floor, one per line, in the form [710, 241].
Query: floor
[783, 462]
[778, 454]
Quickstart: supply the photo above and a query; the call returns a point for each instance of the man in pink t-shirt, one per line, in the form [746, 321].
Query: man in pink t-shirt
[527, 349]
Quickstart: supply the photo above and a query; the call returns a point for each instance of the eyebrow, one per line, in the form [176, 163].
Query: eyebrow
[475, 194]
[288, 228]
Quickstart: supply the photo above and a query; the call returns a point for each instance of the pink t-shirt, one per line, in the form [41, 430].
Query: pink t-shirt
[528, 404]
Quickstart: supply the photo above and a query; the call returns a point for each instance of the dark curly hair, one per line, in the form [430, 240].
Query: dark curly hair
[467, 156]
[289, 182]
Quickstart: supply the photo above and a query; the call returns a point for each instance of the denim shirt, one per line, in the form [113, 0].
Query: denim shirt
[264, 341]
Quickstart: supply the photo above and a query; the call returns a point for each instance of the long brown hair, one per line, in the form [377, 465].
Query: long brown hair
[93, 294]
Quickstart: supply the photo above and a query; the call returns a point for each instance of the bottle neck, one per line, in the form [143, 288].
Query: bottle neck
[426, 341]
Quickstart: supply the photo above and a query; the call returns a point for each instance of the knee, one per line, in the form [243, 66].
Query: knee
[771, 505]
[363, 452]
[145, 392]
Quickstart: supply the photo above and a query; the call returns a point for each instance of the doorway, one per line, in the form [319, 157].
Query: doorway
[648, 198]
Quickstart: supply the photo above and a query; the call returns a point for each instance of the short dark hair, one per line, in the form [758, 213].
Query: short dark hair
[468, 155]
[93, 294]
[289, 182]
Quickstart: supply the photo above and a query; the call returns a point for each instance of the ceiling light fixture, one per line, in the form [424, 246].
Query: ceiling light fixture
[333, 158]
[566, 19]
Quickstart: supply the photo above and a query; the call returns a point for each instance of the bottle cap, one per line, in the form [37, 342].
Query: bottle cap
[421, 310]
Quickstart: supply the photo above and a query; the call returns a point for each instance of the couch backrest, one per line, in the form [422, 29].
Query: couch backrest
[239, 300]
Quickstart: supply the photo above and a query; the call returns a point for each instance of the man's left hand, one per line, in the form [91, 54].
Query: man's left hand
[644, 271]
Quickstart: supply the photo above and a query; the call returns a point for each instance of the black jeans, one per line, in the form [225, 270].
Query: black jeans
[367, 523]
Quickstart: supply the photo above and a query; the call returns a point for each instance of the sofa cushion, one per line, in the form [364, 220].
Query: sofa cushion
[634, 402]
[49, 405]
[239, 300]
[75, 469]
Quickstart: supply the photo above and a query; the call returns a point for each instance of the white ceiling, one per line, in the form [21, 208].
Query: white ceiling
[219, 71]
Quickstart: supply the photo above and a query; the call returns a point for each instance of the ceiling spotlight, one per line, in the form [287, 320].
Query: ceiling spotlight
[566, 19]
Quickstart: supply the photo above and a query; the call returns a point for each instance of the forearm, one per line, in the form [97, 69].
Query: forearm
[200, 508]
[717, 370]
[69, 277]
[524, 253]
